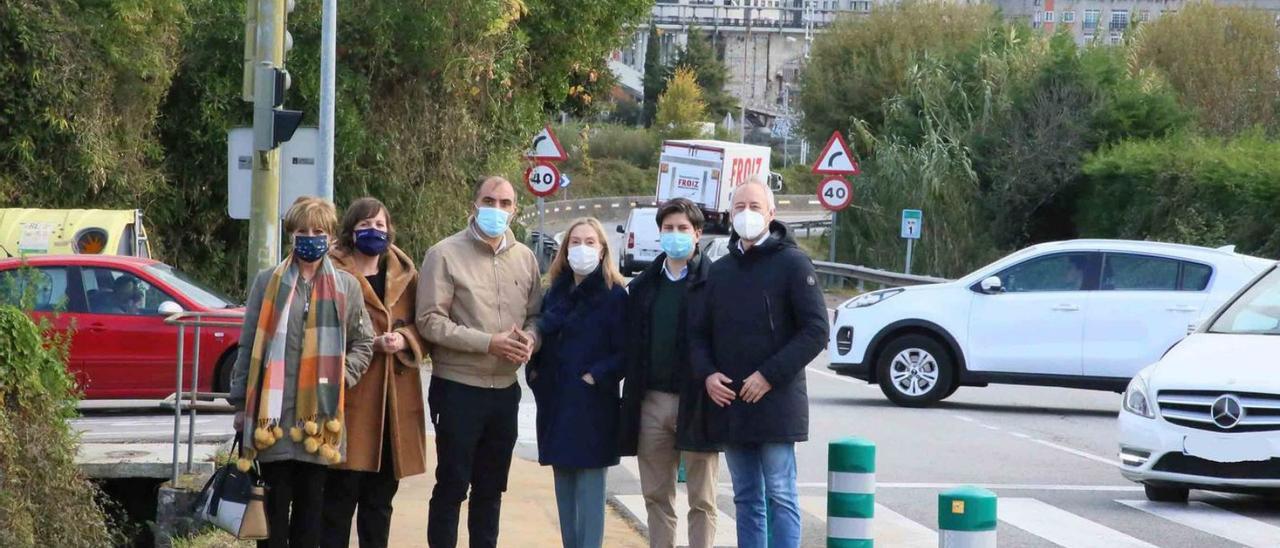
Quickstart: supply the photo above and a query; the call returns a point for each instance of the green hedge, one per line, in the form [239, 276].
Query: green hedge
[44, 500]
[1186, 189]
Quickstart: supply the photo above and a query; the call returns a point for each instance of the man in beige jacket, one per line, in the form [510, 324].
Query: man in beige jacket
[479, 294]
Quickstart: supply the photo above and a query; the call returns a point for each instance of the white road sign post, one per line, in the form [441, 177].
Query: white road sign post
[912, 224]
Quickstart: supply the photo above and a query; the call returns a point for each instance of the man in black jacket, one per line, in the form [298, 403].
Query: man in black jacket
[663, 407]
[762, 321]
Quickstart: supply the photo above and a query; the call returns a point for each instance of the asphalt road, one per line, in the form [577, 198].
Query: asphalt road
[1048, 454]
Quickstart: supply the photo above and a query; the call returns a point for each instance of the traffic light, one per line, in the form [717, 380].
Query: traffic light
[278, 123]
[265, 79]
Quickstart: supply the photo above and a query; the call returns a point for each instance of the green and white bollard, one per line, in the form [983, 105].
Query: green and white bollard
[851, 489]
[967, 518]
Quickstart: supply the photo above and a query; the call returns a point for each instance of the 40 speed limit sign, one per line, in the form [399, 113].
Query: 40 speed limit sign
[835, 193]
[542, 178]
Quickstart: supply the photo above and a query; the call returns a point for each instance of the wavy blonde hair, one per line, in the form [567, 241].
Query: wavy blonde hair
[561, 263]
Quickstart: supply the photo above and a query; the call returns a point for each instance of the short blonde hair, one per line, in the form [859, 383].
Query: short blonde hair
[311, 212]
[561, 263]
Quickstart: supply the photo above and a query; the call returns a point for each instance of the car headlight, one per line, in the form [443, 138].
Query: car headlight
[874, 297]
[1135, 399]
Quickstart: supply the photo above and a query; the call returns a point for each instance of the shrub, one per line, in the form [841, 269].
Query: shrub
[44, 500]
[1188, 189]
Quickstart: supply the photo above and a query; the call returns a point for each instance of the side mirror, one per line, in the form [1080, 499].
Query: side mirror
[169, 308]
[992, 285]
[621, 230]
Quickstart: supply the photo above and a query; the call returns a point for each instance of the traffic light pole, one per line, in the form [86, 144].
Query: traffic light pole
[264, 209]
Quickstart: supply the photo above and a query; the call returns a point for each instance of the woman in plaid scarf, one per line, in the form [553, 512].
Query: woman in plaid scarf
[306, 338]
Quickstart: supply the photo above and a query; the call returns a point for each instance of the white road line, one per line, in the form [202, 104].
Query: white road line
[1049, 444]
[992, 486]
[1213, 520]
[888, 528]
[840, 378]
[632, 466]
[726, 527]
[1077, 452]
[1062, 527]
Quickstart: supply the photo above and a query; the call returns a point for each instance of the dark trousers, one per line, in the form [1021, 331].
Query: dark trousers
[476, 430]
[372, 492]
[295, 500]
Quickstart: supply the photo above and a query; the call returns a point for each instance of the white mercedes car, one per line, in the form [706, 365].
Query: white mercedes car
[1207, 415]
[1080, 314]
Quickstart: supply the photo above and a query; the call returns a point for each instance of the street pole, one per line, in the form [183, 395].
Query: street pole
[264, 209]
[909, 242]
[832, 239]
[328, 93]
[542, 235]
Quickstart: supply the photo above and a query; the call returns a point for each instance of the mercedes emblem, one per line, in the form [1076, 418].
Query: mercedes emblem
[1227, 411]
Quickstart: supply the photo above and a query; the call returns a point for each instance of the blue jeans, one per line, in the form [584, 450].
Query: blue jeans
[765, 471]
[580, 501]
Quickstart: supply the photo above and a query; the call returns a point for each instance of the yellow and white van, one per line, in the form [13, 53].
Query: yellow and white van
[72, 231]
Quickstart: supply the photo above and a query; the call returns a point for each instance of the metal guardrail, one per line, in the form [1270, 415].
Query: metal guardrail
[196, 320]
[882, 277]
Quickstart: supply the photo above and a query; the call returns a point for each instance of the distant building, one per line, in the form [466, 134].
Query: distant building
[1101, 21]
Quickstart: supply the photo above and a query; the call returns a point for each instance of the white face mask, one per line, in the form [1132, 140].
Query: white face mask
[749, 224]
[584, 259]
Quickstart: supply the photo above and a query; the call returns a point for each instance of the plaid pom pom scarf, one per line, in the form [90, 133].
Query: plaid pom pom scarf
[321, 372]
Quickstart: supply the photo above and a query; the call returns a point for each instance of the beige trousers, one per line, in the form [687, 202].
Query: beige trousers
[659, 462]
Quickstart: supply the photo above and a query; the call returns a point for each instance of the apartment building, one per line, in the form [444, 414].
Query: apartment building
[1102, 21]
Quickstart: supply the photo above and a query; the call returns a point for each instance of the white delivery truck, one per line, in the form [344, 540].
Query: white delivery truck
[706, 172]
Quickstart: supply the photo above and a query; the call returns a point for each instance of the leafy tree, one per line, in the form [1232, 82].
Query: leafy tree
[1222, 60]
[861, 63]
[700, 56]
[681, 108]
[654, 75]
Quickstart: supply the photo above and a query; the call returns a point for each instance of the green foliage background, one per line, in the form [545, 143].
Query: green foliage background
[127, 104]
[1006, 136]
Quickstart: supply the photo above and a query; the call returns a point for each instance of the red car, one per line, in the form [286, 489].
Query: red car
[121, 347]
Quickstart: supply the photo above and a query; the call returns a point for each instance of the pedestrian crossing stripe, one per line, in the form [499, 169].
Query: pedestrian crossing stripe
[1062, 527]
[1213, 520]
[1035, 517]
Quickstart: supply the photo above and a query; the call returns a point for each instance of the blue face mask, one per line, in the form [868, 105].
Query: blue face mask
[492, 221]
[677, 245]
[310, 248]
[371, 241]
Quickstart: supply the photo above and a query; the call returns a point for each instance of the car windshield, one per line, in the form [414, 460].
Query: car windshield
[1257, 311]
[194, 290]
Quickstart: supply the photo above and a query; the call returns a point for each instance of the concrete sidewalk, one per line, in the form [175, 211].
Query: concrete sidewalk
[528, 511]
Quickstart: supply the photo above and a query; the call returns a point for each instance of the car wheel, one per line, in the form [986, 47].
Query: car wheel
[915, 371]
[224, 372]
[1166, 494]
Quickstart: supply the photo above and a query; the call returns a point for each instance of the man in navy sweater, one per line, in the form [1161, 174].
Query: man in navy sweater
[763, 320]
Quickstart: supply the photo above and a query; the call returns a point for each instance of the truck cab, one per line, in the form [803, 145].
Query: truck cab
[73, 232]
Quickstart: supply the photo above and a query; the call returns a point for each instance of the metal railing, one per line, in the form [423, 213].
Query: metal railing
[196, 320]
[883, 278]
[603, 207]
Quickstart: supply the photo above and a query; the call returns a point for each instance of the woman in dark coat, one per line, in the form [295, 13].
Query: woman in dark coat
[575, 377]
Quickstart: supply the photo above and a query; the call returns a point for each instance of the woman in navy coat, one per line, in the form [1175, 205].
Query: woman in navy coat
[575, 377]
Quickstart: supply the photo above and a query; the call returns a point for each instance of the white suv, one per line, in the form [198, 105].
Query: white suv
[641, 241]
[1207, 415]
[1081, 314]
